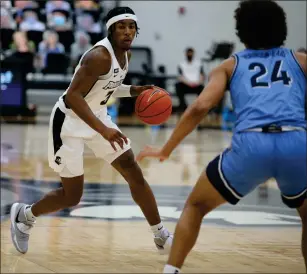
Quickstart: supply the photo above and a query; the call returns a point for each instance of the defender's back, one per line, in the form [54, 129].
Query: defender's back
[268, 87]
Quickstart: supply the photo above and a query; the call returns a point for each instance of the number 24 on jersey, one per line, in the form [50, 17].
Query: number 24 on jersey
[277, 75]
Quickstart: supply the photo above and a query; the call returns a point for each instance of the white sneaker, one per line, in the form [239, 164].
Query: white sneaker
[164, 242]
[20, 227]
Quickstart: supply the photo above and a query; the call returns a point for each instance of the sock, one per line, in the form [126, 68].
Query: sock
[171, 269]
[157, 229]
[28, 214]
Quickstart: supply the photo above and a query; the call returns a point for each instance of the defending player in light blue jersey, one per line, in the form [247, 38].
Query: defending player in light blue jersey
[268, 88]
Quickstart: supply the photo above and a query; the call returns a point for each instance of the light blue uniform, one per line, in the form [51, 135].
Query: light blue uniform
[268, 89]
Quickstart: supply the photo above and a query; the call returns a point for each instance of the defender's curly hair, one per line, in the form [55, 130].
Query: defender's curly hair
[261, 24]
[117, 11]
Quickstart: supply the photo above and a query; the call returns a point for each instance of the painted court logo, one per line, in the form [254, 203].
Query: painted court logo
[113, 202]
[171, 213]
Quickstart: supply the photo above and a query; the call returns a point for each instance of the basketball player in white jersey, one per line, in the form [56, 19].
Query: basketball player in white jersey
[80, 117]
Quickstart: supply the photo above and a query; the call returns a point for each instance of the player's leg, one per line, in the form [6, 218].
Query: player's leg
[143, 196]
[124, 162]
[141, 192]
[68, 195]
[23, 216]
[291, 175]
[228, 177]
[302, 210]
[201, 201]
[68, 162]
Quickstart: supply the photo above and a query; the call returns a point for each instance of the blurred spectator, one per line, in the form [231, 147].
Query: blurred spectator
[20, 5]
[6, 4]
[86, 23]
[59, 20]
[191, 78]
[7, 21]
[86, 5]
[50, 44]
[81, 45]
[22, 50]
[57, 5]
[107, 6]
[30, 22]
[21, 43]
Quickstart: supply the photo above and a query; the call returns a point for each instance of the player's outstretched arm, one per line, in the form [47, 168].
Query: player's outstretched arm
[130, 91]
[210, 97]
[95, 63]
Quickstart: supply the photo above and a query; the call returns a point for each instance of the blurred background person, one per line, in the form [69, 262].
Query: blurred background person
[81, 45]
[20, 6]
[86, 23]
[50, 44]
[59, 20]
[7, 20]
[21, 43]
[6, 4]
[82, 5]
[22, 50]
[57, 5]
[30, 21]
[191, 78]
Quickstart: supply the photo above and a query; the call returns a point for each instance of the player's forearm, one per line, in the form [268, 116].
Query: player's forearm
[77, 103]
[126, 91]
[187, 123]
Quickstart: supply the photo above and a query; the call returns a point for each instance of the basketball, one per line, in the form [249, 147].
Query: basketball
[153, 106]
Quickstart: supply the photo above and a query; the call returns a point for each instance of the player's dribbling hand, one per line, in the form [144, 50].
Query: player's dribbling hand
[152, 153]
[114, 136]
[137, 90]
[146, 87]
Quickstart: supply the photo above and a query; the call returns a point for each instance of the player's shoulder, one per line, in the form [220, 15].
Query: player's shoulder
[97, 55]
[227, 66]
[97, 59]
[229, 62]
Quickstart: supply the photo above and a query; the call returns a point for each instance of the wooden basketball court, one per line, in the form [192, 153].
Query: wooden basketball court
[107, 233]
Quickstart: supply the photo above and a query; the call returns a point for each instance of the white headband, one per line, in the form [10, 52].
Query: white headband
[121, 17]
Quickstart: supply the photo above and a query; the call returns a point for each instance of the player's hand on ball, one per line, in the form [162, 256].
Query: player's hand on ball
[147, 87]
[137, 90]
[114, 136]
[152, 153]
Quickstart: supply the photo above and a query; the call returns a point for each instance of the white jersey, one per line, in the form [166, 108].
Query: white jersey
[104, 87]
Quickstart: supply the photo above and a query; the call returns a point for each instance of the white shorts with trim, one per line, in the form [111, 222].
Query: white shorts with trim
[67, 136]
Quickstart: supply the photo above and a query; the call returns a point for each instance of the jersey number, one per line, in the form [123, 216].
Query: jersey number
[107, 98]
[277, 74]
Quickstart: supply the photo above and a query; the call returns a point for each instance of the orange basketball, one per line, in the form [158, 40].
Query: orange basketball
[153, 106]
